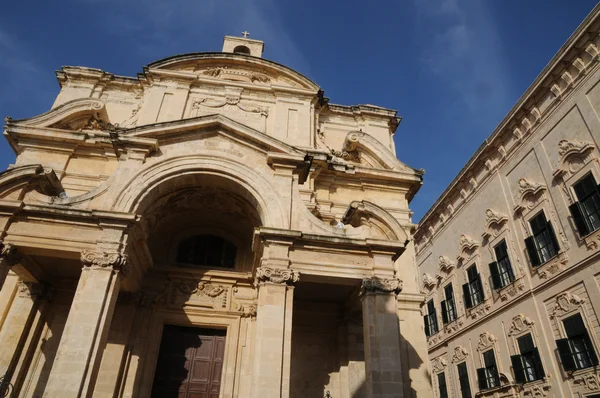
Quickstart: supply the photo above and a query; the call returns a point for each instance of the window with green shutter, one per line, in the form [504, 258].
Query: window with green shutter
[586, 211]
[448, 307]
[473, 289]
[501, 270]
[528, 365]
[463, 378]
[488, 376]
[542, 244]
[576, 351]
[430, 320]
[442, 385]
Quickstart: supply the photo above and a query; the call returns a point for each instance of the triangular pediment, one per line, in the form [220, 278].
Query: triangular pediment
[207, 125]
[233, 68]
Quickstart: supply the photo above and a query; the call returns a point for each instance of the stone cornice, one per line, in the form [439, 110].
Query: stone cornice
[564, 72]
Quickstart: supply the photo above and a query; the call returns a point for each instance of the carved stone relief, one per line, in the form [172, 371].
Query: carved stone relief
[589, 381]
[520, 324]
[512, 289]
[30, 290]
[565, 303]
[494, 223]
[467, 247]
[438, 364]
[529, 195]
[486, 340]
[445, 268]
[537, 390]
[96, 259]
[480, 310]
[429, 282]
[203, 294]
[460, 354]
[573, 156]
[375, 285]
[276, 275]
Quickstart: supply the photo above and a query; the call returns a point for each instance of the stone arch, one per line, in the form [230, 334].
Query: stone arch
[255, 187]
[364, 211]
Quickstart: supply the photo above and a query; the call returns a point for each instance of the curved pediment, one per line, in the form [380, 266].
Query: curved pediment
[79, 114]
[382, 224]
[234, 67]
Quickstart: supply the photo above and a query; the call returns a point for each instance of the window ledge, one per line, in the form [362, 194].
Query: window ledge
[512, 289]
[553, 266]
[508, 387]
[592, 240]
[454, 325]
[480, 309]
[536, 388]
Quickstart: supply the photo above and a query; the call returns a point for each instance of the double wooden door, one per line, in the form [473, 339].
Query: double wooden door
[190, 363]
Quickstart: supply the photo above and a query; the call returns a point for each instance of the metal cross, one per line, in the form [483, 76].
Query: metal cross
[245, 33]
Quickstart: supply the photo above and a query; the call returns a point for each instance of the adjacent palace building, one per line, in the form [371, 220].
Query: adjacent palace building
[509, 255]
[213, 227]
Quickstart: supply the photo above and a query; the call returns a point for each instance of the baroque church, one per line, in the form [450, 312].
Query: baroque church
[213, 227]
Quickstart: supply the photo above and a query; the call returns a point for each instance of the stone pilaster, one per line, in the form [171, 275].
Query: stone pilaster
[381, 330]
[272, 352]
[83, 340]
[8, 257]
[16, 328]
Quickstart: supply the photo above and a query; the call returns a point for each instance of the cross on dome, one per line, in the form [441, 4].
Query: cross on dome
[245, 33]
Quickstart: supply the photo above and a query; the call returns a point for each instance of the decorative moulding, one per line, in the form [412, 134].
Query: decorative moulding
[520, 323]
[512, 289]
[528, 196]
[439, 364]
[467, 247]
[590, 381]
[554, 266]
[493, 223]
[565, 303]
[486, 340]
[429, 282]
[537, 390]
[460, 354]
[446, 267]
[573, 155]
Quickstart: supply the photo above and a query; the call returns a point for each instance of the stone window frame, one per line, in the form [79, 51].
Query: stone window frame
[195, 319]
[487, 341]
[454, 325]
[484, 307]
[525, 211]
[439, 365]
[516, 287]
[567, 180]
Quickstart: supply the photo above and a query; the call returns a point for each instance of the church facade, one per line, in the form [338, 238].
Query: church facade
[509, 255]
[213, 227]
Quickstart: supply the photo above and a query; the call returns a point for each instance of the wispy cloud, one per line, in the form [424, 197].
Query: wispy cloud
[465, 53]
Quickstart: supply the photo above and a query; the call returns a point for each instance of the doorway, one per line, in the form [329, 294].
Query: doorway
[190, 363]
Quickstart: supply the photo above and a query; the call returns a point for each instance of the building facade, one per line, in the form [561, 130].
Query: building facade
[213, 227]
[509, 255]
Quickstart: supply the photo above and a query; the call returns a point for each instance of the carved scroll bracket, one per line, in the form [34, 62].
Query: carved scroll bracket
[104, 260]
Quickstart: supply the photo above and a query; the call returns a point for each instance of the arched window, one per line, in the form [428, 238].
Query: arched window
[206, 250]
[241, 50]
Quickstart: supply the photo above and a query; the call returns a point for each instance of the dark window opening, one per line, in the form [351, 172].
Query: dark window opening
[463, 378]
[241, 50]
[528, 365]
[501, 270]
[442, 385]
[488, 376]
[206, 250]
[576, 351]
[448, 307]
[542, 245]
[586, 212]
[431, 325]
[473, 289]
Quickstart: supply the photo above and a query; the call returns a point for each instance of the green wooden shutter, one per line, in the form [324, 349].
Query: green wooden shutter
[467, 295]
[480, 288]
[445, 311]
[517, 364]
[539, 368]
[579, 220]
[426, 322]
[590, 348]
[481, 379]
[495, 274]
[534, 257]
[566, 357]
[552, 236]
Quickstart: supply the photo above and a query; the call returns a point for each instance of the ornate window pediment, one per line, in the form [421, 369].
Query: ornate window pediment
[573, 156]
[486, 340]
[467, 247]
[445, 268]
[565, 303]
[493, 223]
[439, 364]
[460, 354]
[529, 195]
[429, 282]
[520, 324]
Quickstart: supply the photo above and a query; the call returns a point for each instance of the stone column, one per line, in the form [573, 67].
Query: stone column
[83, 340]
[8, 257]
[273, 341]
[16, 328]
[381, 330]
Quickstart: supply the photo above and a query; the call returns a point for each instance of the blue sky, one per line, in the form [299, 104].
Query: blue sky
[452, 68]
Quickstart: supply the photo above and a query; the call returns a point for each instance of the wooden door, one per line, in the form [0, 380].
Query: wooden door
[190, 362]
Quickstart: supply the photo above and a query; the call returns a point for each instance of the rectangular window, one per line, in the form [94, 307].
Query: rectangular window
[473, 289]
[501, 270]
[488, 375]
[542, 244]
[430, 320]
[448, 307]
[528, 365]
[576, 351]
[586, 211]
[442, 385]
[463, 378]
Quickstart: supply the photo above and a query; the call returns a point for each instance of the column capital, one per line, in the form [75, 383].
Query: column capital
[31, 290]
[376, 285]
[104, 260]
[276, 275]
[9, 254]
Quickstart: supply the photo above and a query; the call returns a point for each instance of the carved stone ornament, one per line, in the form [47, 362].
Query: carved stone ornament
[446, 266]
[460, 354]
[537, 390]
[453, 326]
[30, 289]
[529, 195]
[429, 281]
[248, 311]
[480, 310]
[566, 302]
[232, 99]
[493, 223]
[200, 293]
[512, 289]
[438, 364]
[520, 323]
[467, 246]
[9, 254]
[95, 123]
[375, 285]
[573, 156]
[486, 340]
[225, 72]
[97, 259]
[276, 275]
[590, 381]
